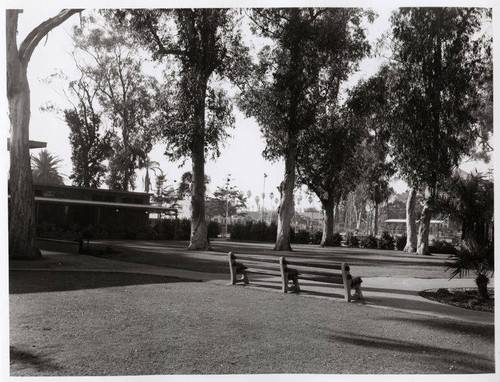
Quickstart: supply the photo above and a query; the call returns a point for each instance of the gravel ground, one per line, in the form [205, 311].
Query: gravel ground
[80, 323]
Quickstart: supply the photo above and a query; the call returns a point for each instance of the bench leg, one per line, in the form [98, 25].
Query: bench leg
[232, 268]
[347, 282]
[296, 286]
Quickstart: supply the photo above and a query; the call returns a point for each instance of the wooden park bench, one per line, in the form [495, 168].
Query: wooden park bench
[292, 271]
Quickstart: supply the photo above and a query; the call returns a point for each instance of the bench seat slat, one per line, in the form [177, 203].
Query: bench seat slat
[263, 271]
[332, 280]
[317, 272]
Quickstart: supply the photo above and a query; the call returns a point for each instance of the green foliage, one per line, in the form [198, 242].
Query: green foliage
[386, 241]
[442, 246]
[204, 46]
[301, 237]
[369, 242]
[469, 200]
[316, 237]
[109, 60]
[89, 146]
[45, 168]
[476, 258]
[433, 90]
[401, 242]
[254, 231]
[309, 46]
[224, 200]
[214, 229]
[352, 240]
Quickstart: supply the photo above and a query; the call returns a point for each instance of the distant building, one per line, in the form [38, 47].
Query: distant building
[68, 207]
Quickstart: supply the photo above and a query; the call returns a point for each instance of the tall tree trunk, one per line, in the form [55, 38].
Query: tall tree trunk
[328, 222]
[411, 226]
[286, 208]
[358, 219]
[424, 229]
[22, 225]
[375, 220]
[199, 233]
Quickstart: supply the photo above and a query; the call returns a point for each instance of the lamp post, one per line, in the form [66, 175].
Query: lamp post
[263, 196]
[227, 201]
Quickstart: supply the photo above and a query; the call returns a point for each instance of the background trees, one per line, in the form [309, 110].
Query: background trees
[435, 59]
[90, 146]
[109, 61]
[281, 93]
[22, 225]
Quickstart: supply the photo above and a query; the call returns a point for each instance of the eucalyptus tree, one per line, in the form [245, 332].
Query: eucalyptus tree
[436, 57]
[204, 47]
[22, 225]
[90, 146]
[111, 61]
[327, 163]
[280, 94]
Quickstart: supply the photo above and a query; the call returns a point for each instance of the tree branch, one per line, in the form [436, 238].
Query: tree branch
[31, 41]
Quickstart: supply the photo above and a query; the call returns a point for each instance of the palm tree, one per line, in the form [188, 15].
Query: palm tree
[45, 169]
[477, 258]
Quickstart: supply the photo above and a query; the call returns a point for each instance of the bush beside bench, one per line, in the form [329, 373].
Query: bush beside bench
[292, 271]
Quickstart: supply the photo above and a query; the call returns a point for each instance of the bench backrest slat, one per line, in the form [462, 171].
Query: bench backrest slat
[256, 264]
[244, 257]
[315, 264]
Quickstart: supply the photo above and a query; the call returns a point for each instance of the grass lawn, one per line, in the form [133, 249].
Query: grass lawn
[81, 323]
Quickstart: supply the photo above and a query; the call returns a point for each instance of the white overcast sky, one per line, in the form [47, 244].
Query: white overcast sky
[242, 155]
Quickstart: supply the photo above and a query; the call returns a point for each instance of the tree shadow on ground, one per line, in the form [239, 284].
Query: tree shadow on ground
[26, 359]
[455, 327]
[57, 281]
[462, 362]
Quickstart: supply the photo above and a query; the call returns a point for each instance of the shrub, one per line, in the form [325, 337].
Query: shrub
[369, 241]
[401, 242]
[213, 229]
[272, 232]
[335, 241]
[386, 241]
[301, 237]
[316, 237]
[441, 246]
[352, 240]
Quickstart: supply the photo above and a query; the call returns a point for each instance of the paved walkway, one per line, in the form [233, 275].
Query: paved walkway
[380, 292]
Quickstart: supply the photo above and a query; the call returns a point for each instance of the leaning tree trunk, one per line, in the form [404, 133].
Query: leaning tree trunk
[328, 222]
[286, 209]
[22, 225]
[424, 229]
[199, 233]
[411, 226]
